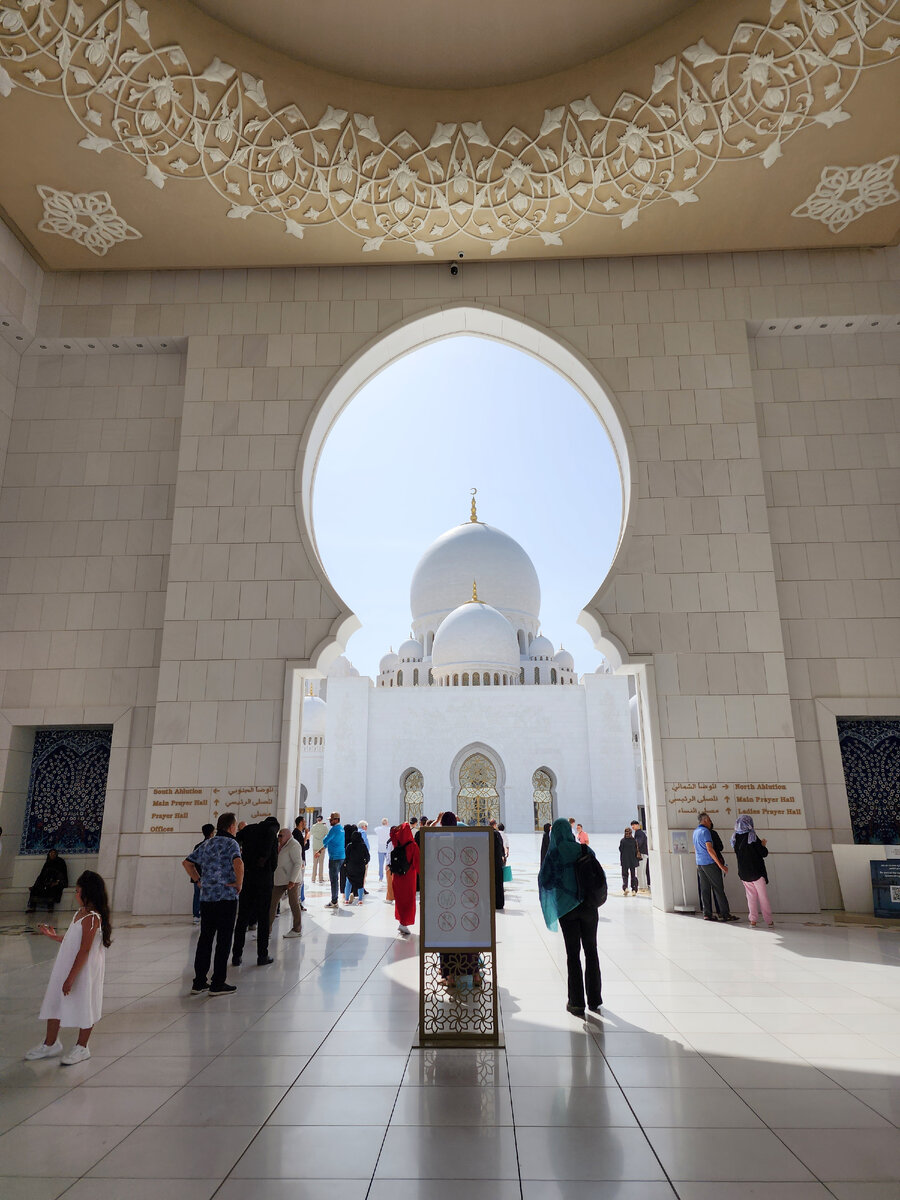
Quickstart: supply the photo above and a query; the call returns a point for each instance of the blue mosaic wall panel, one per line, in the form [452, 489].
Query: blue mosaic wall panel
[870, 750]
[66, 791]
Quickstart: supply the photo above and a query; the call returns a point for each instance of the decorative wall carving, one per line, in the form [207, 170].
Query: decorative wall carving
[870, 751]
[66, 791]
[88, 218]
[705, 107]
[844, 194]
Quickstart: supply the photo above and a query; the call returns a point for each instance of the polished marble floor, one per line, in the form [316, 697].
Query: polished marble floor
[729, 1063]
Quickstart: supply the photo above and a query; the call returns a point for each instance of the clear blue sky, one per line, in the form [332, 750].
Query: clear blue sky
[398, 466]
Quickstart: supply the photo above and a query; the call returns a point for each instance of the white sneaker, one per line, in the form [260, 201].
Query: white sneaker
[44, 1051]
[76, 1055]
[291, 933]
[403, 931]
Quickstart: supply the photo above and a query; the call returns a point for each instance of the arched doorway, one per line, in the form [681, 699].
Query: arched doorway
[413, 794]
[544, 798]
[478, 800]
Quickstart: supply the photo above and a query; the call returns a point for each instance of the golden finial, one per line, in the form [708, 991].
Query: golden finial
[475, 599]
[474, 515]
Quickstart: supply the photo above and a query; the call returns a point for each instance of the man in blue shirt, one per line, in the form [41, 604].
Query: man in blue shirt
[217, 866]
[334, 844]
[711, 870]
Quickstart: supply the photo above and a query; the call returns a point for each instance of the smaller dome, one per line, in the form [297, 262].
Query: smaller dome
[410, 651]
[564, 659]
[475, 635]
[313, 720]
[390, 662]
[342, 668]
[541, 647]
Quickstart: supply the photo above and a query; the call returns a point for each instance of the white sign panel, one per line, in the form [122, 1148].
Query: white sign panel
[681, 841]
[456, 909]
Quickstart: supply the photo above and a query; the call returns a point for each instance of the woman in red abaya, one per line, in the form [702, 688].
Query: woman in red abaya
[405, 885]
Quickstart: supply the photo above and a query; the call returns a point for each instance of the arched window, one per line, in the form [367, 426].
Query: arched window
[416, 677]
[476, 679]
[478, 800]
[537, 674]
[456, 681]
[543, 798]
[392, 683]
[399, 679]
[521, 675]
[430, 675]
[496, 679]
[413, 794]
[465, 681]
[553, 674]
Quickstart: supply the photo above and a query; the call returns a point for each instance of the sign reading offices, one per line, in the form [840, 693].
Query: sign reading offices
[727, 800]
[185, 809]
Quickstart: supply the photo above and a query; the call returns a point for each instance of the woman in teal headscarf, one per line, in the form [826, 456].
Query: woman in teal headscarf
[562, 907]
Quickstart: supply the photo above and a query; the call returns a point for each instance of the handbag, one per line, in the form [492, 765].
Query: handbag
[507, 874]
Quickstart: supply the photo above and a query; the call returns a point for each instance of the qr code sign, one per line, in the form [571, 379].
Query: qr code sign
[895, 895]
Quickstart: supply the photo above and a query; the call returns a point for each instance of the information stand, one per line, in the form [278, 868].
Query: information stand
[458, 942]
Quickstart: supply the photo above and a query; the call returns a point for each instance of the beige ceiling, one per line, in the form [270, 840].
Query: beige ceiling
[160, 137]
[466, 44]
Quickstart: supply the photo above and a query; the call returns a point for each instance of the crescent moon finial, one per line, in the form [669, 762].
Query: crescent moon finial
[474, 515]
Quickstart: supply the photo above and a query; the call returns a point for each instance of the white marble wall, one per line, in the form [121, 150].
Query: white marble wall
[828, 412]
[697, 590]
[86, 513]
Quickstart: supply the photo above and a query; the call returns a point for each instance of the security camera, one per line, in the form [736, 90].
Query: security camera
[454, 268]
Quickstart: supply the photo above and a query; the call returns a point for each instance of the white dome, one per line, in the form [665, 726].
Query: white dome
[390, 662]
[475, 635]
[541, 647]
[313, 721]
[342, 668]
[564, 660]
[410, 651]
[504, 573]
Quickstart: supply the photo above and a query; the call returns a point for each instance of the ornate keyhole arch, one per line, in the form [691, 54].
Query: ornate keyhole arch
[544, 797]
[454, 320]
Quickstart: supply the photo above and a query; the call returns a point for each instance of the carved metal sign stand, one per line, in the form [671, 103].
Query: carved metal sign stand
[458, 942]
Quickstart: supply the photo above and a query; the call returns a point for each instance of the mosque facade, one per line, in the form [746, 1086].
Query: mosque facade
[476, 711]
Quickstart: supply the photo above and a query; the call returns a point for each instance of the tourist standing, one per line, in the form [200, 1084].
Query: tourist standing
[712, 870]
[356, 859]
[545, 842]
[301, 834]
[334, 844]
[287, 879]
[751, 853]
[317, 838]
[405, 854]
[382, 837]
[74, 995]
[643, 847]
[259, 846]
[208, 831]
[222, 868]
[563, 907]
[628, 858]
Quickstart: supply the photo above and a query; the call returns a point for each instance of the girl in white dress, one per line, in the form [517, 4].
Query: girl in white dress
[74, 994]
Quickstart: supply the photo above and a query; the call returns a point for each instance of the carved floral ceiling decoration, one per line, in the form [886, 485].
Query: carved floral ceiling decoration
[844, 194]
[704, 109]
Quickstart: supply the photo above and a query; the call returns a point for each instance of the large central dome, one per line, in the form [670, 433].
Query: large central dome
[504, 573]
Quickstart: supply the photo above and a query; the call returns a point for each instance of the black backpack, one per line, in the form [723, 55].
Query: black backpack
[399, 861]
[591, 879]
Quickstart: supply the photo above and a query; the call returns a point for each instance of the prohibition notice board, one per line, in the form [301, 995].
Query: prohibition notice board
[457, 889]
